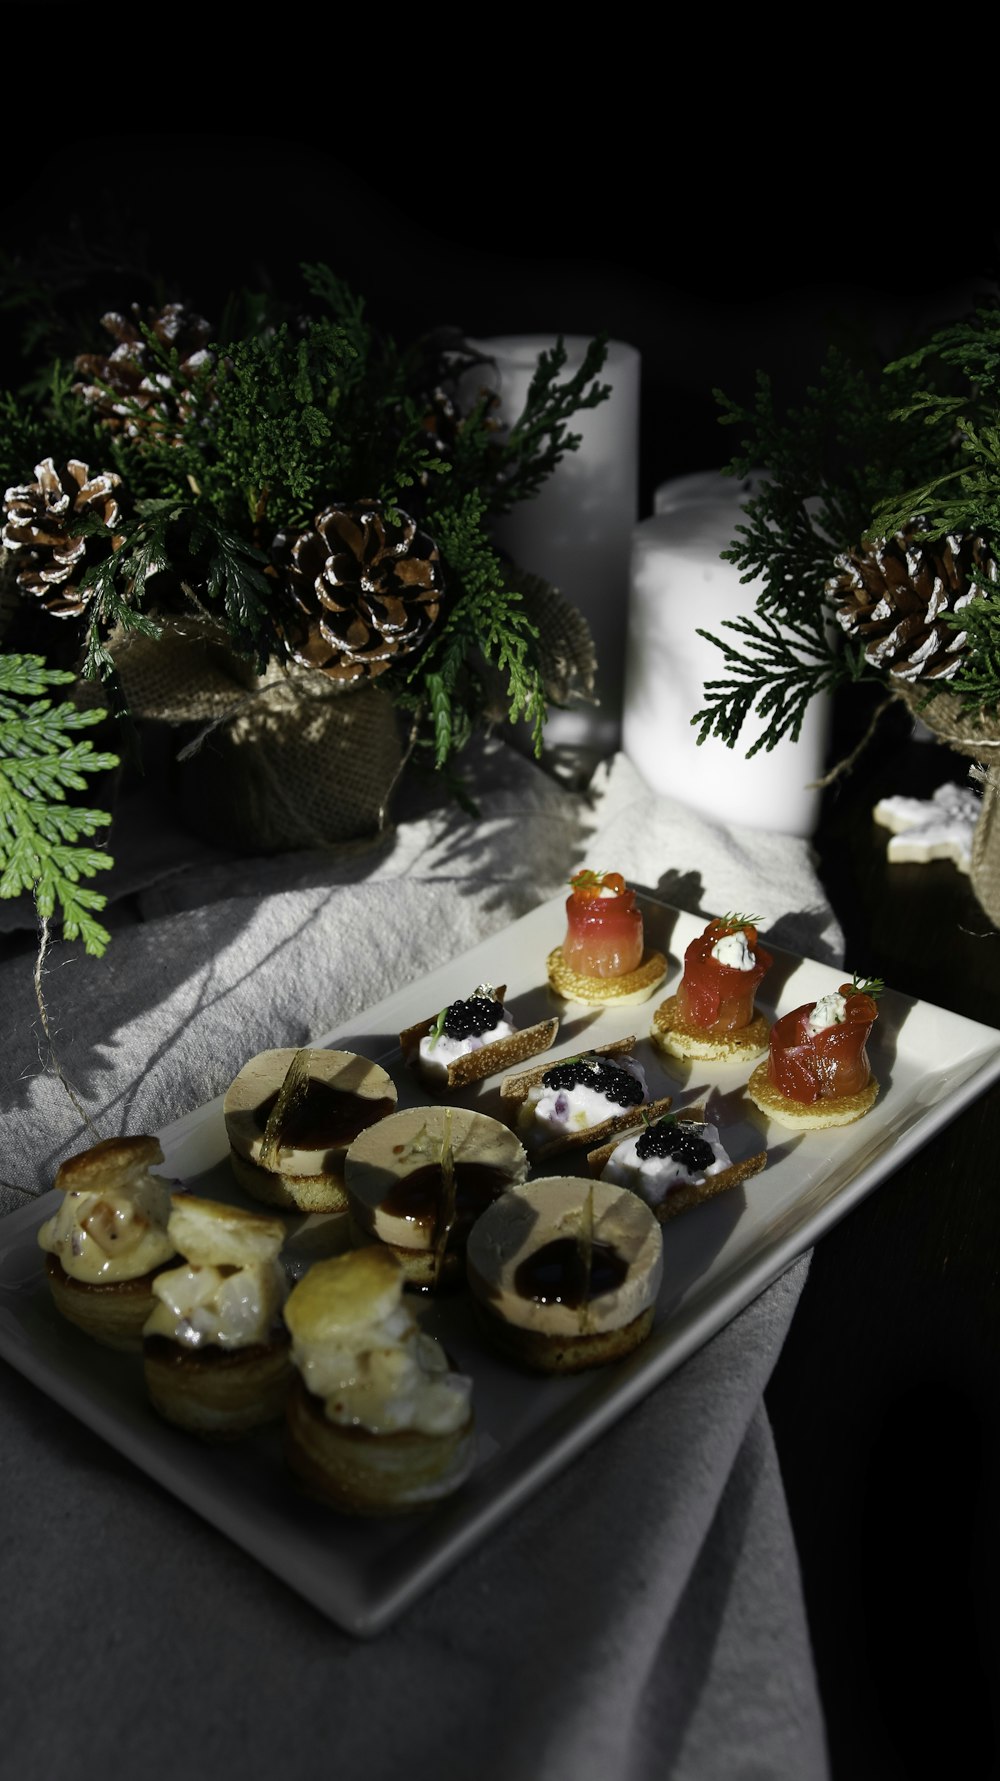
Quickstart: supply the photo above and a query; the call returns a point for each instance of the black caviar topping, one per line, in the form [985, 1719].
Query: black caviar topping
[475, 1016]
[600, 1074]
[667, 1137]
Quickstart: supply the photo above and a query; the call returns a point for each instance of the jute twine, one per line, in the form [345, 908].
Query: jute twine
[285, 760]
[977, 735]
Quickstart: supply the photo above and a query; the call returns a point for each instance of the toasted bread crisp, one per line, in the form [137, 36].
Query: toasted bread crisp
[486, 1060]
[675, 1036]
[514, 1088]
[514, 1091]
[634, 986]
[687, 1194]
[541, 1353]
[803, 1116]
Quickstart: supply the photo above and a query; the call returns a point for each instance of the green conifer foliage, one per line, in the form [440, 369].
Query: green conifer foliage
[43, 836]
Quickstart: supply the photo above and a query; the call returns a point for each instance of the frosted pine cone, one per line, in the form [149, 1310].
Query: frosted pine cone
[38, 519]
[893, 594]
[367, 590]
[128, 389]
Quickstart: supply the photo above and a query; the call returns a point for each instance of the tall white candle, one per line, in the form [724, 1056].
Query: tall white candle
[680, 584]
[577, 532]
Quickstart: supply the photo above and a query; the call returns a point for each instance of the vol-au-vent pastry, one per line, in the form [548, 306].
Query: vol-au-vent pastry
[712, 1013]
[580, 1099]
[378, 1420]
[673, 1162]
[817, 1071]
[109, 1238]
[419, 1178]
[472, 1038]
[290, 1117]
[603, 957]
[564, 1273]
[216, 1352]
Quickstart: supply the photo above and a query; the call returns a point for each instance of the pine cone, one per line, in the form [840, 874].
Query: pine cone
[129, 393]
[367, 590]
[442, 422]
[892, 595]
[38, 517]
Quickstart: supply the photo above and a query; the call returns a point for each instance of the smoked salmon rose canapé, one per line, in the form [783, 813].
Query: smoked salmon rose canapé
[817, 1071]
[603, 957]
[712, 1013]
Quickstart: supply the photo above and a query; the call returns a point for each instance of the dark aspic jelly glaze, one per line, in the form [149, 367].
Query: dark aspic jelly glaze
[325, 1117]
[417, 1196]
[719, 998]
[557, 1274]
[834, 1062]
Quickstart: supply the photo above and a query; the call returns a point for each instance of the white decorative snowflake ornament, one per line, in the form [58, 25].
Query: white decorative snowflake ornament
[936, 828]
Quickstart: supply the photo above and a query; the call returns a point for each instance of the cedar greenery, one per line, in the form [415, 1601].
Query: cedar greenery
[288, 410]
[868, 447]
[43, 836]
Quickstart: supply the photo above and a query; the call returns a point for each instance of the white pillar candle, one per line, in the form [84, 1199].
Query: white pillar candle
[577, 532]
[680, 584]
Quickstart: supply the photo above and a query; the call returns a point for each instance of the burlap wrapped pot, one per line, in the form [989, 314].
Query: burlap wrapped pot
[294, 759]
[264, 764]
[975, 734]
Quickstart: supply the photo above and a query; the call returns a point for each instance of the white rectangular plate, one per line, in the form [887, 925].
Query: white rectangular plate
[719, 1256]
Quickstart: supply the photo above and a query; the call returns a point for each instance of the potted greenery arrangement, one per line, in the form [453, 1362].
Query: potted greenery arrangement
[874, 532]
[276, 530]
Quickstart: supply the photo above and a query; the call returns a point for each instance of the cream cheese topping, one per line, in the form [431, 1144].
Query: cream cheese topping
[118, 1232]
[652, 1177]
[526, 1218]
[436, 1053]
[359, 1348]
[733, 950]
[829, 1011]
[575, 1109]
[230, 1290]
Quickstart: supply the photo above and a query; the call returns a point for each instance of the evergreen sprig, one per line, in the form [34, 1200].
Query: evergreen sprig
[42, 834]
[224, 459]
[957, 403]
[868, 448]
[485, 624]
[540, 437]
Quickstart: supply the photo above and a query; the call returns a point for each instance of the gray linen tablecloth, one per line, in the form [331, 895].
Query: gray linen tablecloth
[639, 1617]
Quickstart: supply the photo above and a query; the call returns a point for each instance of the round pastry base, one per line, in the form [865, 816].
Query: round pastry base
[677, 1038]
[634, 986]
[218, 1393]
[539, 1352]
[802, 1116]
[293, 1193]
[113, 1313]
[361, 1473]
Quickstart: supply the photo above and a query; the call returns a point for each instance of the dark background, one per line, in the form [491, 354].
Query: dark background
[750, 248]
[718, 252]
